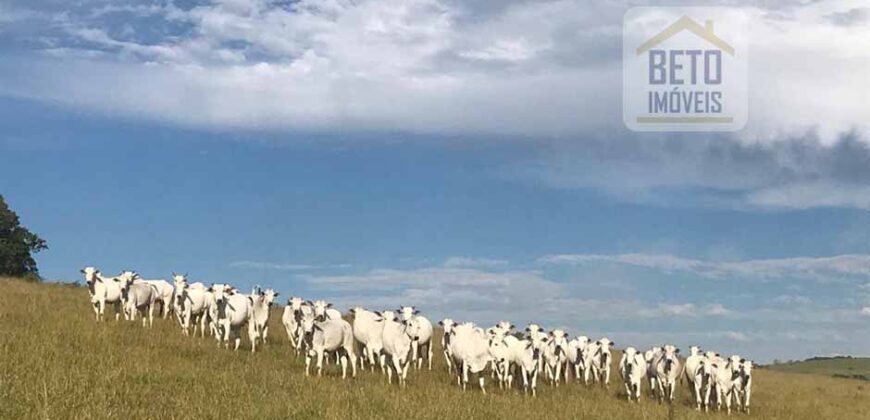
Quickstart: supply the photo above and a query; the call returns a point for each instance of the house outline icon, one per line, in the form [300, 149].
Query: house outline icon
[686, 23]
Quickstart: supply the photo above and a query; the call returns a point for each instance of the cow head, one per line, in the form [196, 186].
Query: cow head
[320, 307]
[506, 326]
[534, 330]
[746, 368]
[694, 351]
[669, 356]
[447, 324]
[221, 292]
[268, 296]
[91, 274]
[389, 316]
[407, 312]
[559, 340]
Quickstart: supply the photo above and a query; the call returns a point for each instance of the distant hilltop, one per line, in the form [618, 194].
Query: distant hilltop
[839, 366]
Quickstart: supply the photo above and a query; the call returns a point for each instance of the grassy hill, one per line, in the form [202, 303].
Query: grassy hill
[840, 367]
[56, 362]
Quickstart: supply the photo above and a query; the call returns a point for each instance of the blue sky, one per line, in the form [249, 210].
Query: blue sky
[433, 155]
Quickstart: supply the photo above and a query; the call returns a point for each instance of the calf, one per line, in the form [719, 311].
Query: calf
[137, 297]
[556, 355]
[165, 293]
[470, 349]
[368, 330]
[262, 301]
[420, 331]
[632, 368]
[102, 290]
[598, 360]
[329, 335]
[193, 303]
[576, 356]
[447, 325]
[744, 388]
[294, 312]
[696, 374]
[397, 347]
[667, 373]
[234, 311]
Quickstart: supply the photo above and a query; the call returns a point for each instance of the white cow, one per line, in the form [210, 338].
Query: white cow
[294, 312]
[652, 357]
[632, 368]
[328, 336]
[102, 290]
[727, 379]
[262, 301]
[397, 347]
[744, 388]
[696, 373]
[447, 325]
[137, 298]
[165, 293]
[234, 311]
[576, 352]
[556, 355]
[470, 350]
[368, 330]
[667, 372]
[323, 310]
[193, 303]
[420, 331]
[527, 355]
[598, 360]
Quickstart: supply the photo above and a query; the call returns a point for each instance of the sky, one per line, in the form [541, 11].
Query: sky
[466, 157]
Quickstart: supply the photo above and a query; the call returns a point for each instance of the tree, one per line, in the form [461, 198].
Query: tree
[17, 244]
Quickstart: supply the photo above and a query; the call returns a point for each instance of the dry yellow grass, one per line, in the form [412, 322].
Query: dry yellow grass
[56, 362]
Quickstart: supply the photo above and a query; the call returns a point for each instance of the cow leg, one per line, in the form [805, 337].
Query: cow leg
[746, 396]
[237, 334]
[265, 333]
[482, 379]
[465, 370]
[307, 364]
[390, 370]
[343, 360]
[320, 355]
[252, 335]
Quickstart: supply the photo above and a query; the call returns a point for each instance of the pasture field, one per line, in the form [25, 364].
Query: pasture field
[56, 362]
[848, 367]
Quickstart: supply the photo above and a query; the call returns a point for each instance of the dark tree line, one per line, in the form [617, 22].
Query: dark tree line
[17, 245]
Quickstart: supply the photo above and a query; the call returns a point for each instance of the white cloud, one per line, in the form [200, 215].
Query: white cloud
[405, 65]
[474, 262]
[865, 311]
[282, 266]
[822, 268]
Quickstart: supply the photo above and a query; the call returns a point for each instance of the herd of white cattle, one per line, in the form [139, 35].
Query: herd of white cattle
[395, 340]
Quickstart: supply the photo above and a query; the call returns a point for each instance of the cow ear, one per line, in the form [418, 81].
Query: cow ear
[416, 311]
[717, 355]
[662, 348]
[528, 330]
[441, 323]
[677, 351]
[328, 305]
[82, 271]
[742, 360]
[513, 326]
[598, 342]
[378, 313]
[276, 294]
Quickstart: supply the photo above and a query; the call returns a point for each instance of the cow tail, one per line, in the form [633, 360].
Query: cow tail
[682, 373]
